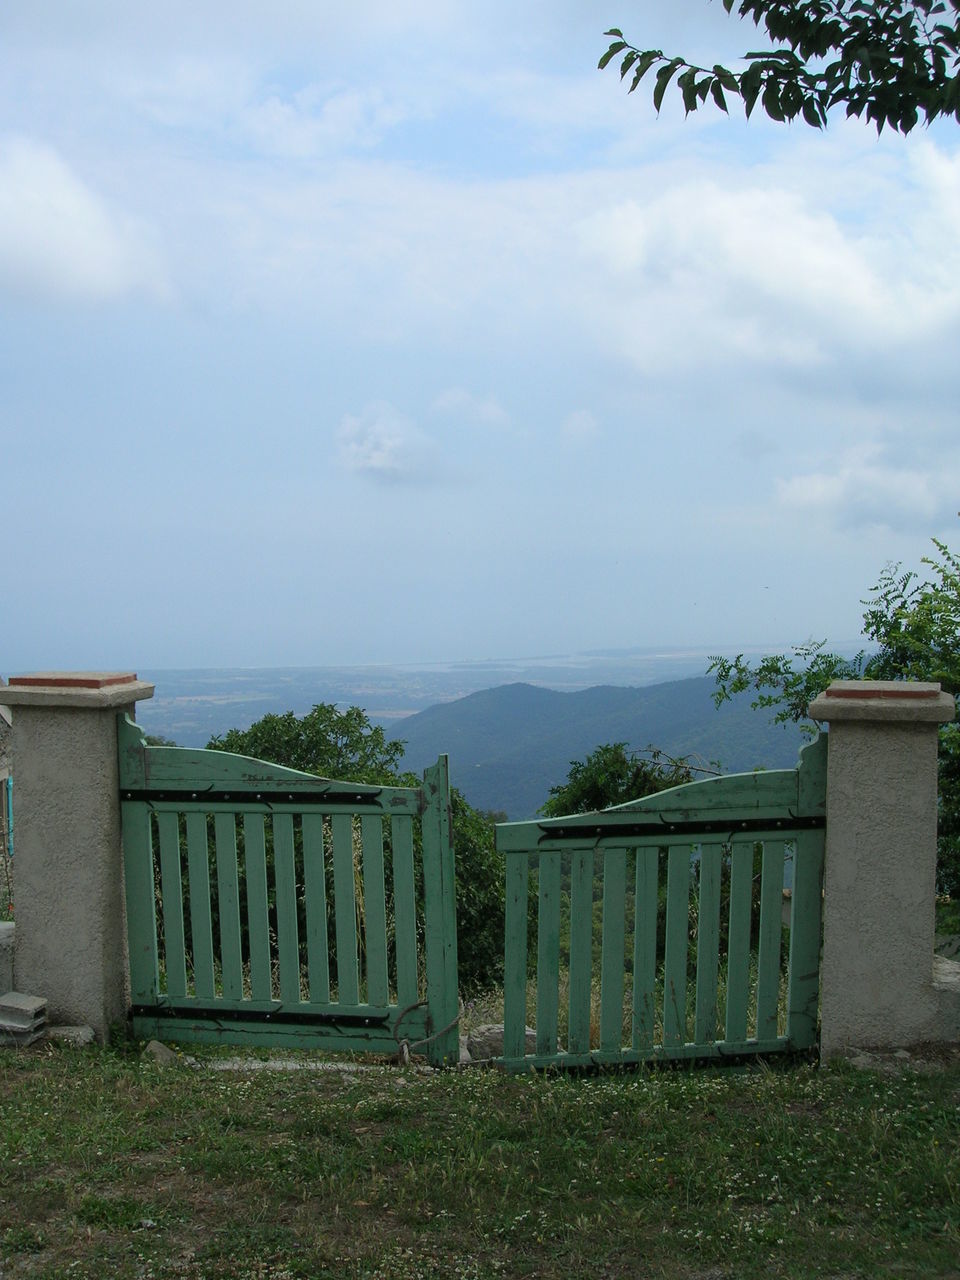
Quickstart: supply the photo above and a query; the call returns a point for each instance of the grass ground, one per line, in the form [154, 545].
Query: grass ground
[111, 1165]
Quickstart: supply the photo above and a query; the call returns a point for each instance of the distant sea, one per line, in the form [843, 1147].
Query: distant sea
[190, 706]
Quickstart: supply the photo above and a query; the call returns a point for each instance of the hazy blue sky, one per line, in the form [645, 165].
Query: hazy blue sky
[397, 332]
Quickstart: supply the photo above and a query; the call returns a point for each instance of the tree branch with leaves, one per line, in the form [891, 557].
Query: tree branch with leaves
[893, 62]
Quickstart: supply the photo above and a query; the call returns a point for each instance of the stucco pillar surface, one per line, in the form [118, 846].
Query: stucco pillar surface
[877, 985]
[70, 941]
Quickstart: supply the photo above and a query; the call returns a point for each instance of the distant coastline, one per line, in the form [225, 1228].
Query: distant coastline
[191, 705]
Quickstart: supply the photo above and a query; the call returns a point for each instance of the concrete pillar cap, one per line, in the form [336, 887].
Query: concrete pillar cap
[92, 689]
[893, 700]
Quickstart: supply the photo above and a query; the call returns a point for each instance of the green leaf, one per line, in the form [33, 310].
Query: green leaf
[617, 47]
[643, 66]
[664, 76]
[688, 87]
[771, 101]
[750, 88]
[628, 62]
[716, 88]
[727, 79]
[811, 114]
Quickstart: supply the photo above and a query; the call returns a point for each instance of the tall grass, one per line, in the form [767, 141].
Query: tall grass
[111, 1165]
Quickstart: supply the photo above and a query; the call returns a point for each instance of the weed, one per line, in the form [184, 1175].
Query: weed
[110, 1164]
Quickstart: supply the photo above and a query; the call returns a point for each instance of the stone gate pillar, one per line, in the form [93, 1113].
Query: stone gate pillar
[70, 937]
[878, 986]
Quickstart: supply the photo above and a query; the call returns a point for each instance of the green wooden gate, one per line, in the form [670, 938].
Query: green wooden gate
[266, 906]
[662, 927]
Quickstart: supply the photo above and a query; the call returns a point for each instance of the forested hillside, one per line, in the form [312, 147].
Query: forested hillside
[509, 745]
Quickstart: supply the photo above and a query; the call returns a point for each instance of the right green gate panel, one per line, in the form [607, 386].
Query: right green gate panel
[682, 925]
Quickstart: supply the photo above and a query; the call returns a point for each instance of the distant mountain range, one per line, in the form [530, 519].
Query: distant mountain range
[509, 745]
[191, 706]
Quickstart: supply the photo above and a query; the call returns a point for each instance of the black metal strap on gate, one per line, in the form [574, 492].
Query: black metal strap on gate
[215, 1014]
[627, 831]
[304, 799]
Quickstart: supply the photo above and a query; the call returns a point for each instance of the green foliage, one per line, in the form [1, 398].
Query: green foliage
[792, 688]
[894, 61]
[915, 626]
[613, 774]
[345, 746]
[481, 896]
[342, 745]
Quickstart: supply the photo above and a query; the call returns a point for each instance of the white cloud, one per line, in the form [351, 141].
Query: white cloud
[867, 488]
[383, 444]
[484, 411]
[795, 268]
[311, 122]
[187, 92]
[650, 268]
[580, 426]
[59, 238]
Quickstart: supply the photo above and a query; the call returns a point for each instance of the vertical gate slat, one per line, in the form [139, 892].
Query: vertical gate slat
[315, 893]
[612, 950]
[581, 941]
[345, 909]
[404, 910]
[548, 953]
[805, 908]
[258, 920]
[174, 945]
[771, 928]
[288, 940]
[440, 913]
[708, 944]
[675, 950]
[228, 904]
[141, 906]
[738, 941]
[515, 957]
[201, 925]
[645, 947]
[375, 910]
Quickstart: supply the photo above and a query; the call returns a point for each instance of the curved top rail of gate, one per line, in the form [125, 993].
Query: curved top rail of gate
[189, 776]
[738, 803]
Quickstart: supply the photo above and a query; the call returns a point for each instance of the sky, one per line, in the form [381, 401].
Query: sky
[399, 333]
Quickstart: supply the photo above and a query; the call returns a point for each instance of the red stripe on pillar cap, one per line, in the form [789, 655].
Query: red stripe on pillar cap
[73, 680]
[867, 692]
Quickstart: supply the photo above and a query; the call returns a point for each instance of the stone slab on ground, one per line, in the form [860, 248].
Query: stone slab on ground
[71, 1035]
[22, 1018]
[923, 1058]
[281, 1063]
[19, 1039]
[486, 1042]
[17, 1008]
[163, 1054]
